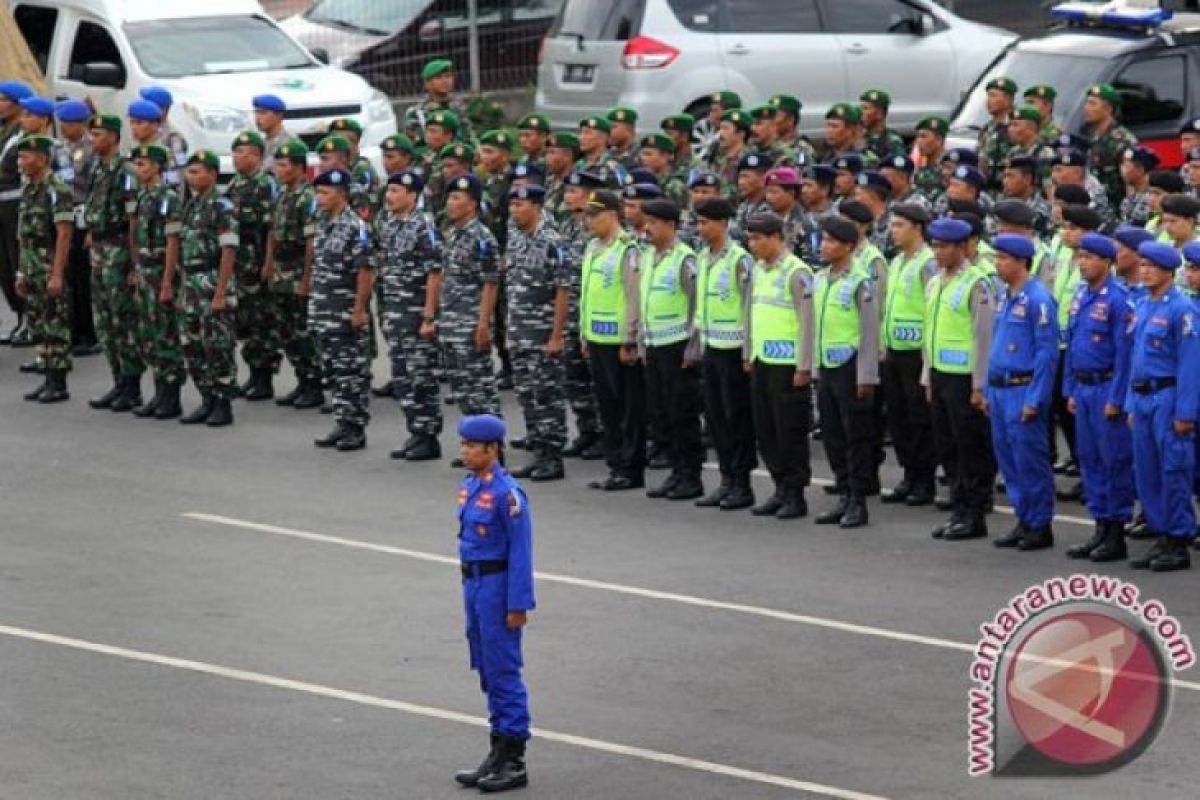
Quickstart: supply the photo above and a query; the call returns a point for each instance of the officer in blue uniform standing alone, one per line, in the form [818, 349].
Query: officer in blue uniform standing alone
[1021, 366]
[1164, 389]
[495, 538]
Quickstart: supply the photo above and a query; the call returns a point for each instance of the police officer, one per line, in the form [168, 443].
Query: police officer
[11, 95]
[1162, 407]
[411, 261]
[75, 168]
[495, 546]
[170, 138]
[539, 285]
[958, 322]
[609, 324]
[846, 341]
[268, 119]
[343, 278]
[1021, 367]
[1096, 381]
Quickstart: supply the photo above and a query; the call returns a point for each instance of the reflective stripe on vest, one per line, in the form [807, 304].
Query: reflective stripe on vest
[839, 327]
[1066, 283]
[664, 302]
[719, 302]
[602, 296]
[904, 312]
[950, 346]
[774, 327]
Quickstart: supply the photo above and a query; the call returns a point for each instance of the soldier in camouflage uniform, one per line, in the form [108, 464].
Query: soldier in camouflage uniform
[993, 144]
[1024, 141]
[147, 126]
[339, 308]
[562, 152]
[594, 156]
[441, 129]
[44, 226]
[1109, 139]
[366, 182]
[539, 280]
[495, 147]
[764, 136]
[207, 328]
[844, 135]
[410, 261]
[878, 137]
[622, 138]
[334, 152]
[1070, 167]
[787, 123]
[457, 159]
[899, 173]
[287, 274]
[816, 195]
[398, 154]
[1136, 165]
[252, 192]
[1020, 182]
[1042, 98]
[656, 153]
[751, 184]
[533, 135]
[438, 76]
[782, 196]
[110, 199]
[679, 128]
[872, 192]
[158, 222]
[268, 119]
[702, 186]
[931, 144]
[735, 127]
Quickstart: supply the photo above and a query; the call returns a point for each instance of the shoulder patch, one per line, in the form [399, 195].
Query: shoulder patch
[515, 506]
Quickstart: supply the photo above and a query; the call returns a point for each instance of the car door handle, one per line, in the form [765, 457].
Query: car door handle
[739, 50]
[856, 49]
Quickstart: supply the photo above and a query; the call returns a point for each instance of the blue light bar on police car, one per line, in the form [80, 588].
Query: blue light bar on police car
[1118, 13]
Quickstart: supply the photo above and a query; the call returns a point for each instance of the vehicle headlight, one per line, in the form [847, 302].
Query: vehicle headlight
[218, 120]
[379, 108]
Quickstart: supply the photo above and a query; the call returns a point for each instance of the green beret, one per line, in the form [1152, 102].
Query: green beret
[679, 122]
[659, 141]
[435, 68]
[934, 124]
[726, 100]
[295, 151]
[205, 158]
[877, 97]
[534, 122]
[762, 112]
[785, 102]
[460, 150]
[565, 141]
[1006, 85]
[446, 119]
[737, 117]
[497, 138]
[35, 143]
[1107, 93]
[252, 138]
[154, 152]
[333, 144]
[106, 122]
[626, 115]
[1042, 92]
[596, 123]
[1028, 113]
[345, 124]
[398, 142]
[847, 113]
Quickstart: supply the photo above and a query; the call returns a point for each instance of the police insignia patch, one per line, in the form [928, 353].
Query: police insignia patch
[514, 505]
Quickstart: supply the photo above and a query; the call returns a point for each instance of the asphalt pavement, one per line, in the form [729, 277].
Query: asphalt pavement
[227, 614]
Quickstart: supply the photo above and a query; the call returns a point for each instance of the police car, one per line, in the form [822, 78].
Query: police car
[1149, 51]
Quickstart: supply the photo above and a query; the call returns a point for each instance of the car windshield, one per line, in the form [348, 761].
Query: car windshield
[376, 17]
[177, 48]
[1069, 75]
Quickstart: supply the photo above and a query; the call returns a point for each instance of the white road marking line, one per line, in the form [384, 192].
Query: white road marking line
[616, 588]
[1065, 518]
[276, 682]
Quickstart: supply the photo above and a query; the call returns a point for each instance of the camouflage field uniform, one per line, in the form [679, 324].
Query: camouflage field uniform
[367, 187]
[674, 189]
[343, 247]
[1104, 160]
[293, 221]
[535, 269]
[802, 152]
[745, 210]
[577, 377]
[472, 259]
[725, 165]
[886, 144]
[1041, 154]
[431, 105]
[993, 147]
[682, 171]
[555, 202]
[409, 249]
[273, 143]
[928, 181]
[43, 205]
[604, 166]
[627, 158]
[1050, 133]
[434, 194]
[253, 198]
[159, 214]
[209, 338]
[1135, 209]
[110, 199]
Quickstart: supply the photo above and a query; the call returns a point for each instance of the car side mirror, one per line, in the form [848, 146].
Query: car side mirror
[104, 73]
[431, 31]
[321, 54]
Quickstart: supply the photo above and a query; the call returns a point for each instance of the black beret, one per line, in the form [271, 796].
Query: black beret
[1014, 212]
[1072, 193]
[841, 229]
[767, 223]
[660, 208]
[856, 211]
[913, 212]
[1082, 216]
[1169, 180]
[715, 208]
[1027, 163]
[1180, 205]
[978, 228]
[958, 206]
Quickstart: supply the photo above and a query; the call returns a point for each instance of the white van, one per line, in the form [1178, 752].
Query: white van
[212, 56]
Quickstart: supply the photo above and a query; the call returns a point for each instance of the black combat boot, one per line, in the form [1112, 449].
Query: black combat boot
[148, 408]
[168, 403]
[794, 505]
[200, 415]
[333, 437]
[689, 487]
[665, 488]
[899, 494]
[261, 387]
[972, 525]
[355, 438]
[548, 468]
[106, 400]
[130, 396]
[222, 413]
[36, 394]
[739, 496]
[1036, 539]
[580, 444]
[523, 472]
[1099, 534]
[509, 771]
[311, 394]
[426, 448]
[855, 515]
[290, 398]
[1013, 537]
[713, 499]
[470, 777]
[1174, 555]
[769, 507]
[834, 515]
[1113, 547]
[56, 387]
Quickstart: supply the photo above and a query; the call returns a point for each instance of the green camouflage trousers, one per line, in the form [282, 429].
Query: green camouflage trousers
[49, 320]
[299, 343]
[208, 338]
[258, 327]
[158, 327]
[115, 308]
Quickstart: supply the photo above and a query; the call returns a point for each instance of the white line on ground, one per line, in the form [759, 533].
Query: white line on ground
[276, 682]
[616, 588]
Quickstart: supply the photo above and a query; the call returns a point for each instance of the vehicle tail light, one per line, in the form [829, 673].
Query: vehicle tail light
[643, 52]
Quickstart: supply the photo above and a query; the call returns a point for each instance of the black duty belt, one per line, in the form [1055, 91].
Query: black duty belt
[1153, 385]
[1093, 378]
[1010, 379]
[111, 238]
[472, 569]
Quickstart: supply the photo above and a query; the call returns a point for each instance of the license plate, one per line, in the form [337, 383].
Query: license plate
[578, 73]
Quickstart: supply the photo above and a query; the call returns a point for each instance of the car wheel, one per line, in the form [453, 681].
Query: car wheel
[704, 137]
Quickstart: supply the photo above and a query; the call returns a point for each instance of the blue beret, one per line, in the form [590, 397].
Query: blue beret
[586, 180]
[1015, 245]
[640, 175]
[704, 179]
[821, 173]
[1070, 158]
[527, 170]
[41, 106]
[144, 110]
[851, 161]
[1191, 252]
[1132, 236]
[1160, 255]
[1099, 245]
[953, 231]
[269, 102]
[72, 111]
[528, 191]
[409, 179]
[875, 179]
[15, 90]
[482, 428]
[902, 163]
[643, 191]
[334, 177]
[157, 95]
[466, 183]
[961, 155]
[971, 175]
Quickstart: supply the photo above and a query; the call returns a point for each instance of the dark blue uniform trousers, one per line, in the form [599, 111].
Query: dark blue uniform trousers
[496, 653]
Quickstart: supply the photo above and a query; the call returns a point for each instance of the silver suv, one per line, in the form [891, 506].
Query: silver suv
[663, 56]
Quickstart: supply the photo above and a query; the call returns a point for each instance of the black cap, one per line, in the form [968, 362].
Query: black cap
[958, 206]
[1026, 163]
[978, 228]
[1082, 216]
[717, 208]
[1014, 212]
[854, 210]
[1181, 205]
[841, 229]
[913, 212]
[602, 200]
[766, 223]
[660, 208]
[1169, 180]
[1072, 193]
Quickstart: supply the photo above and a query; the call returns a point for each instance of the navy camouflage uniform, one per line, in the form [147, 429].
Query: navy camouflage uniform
[472, 260]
